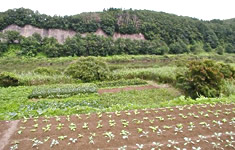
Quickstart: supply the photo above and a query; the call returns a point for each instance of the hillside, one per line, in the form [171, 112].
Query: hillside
[171, 31]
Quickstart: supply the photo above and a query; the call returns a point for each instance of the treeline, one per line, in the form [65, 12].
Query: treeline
[156, 26]
[94, 45]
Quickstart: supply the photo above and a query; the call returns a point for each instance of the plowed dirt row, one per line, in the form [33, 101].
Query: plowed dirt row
[204, 126]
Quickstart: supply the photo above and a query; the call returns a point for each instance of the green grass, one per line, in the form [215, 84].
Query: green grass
[30, 79]
[24, 64]
[229, 87]
[162, 74]
[138, 98]
[15, 103]
[120, 83]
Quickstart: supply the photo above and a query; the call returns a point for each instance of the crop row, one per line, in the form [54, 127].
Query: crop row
[63, 90]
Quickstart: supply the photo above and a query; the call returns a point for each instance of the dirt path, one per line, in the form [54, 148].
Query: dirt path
[152, 85]
[6, 135]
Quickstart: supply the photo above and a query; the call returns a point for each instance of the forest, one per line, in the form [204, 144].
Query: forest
[165, 33]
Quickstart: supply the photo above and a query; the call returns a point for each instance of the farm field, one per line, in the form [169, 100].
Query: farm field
[139, 107]
[117, 79]
[204, 126]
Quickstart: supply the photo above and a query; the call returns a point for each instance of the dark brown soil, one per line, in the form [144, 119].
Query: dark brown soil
[143, 119]
[116, 90]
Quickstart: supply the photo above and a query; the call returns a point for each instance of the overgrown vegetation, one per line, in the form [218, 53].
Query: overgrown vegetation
[9, 79]
[89, 69]
[162, 74]
[205, 78]
[165, 33]
[62, 94]
[46, 71]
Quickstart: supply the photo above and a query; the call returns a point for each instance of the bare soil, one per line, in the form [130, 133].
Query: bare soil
[144, 119]
[6, 132]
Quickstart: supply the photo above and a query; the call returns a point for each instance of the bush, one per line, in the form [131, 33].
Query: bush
[89, 69]
[202, 78]
[9, 79]
[46, 71]
[227, 70]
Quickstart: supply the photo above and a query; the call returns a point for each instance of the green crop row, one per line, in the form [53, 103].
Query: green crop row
[62, 90]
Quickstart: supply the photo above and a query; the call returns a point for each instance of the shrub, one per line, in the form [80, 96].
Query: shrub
[227, 70]
[89, 69]
[9, 79]
[202, 78]
[46, 71]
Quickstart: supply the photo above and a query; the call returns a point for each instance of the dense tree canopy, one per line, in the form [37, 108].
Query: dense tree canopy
[162, 31]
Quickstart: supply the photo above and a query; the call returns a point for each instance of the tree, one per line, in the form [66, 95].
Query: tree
[12, 37]
[51, 47]
[31, 46]
[75, 46]
[178, 48]
[220, 50]
[207, 47]
[196, 48]
[230, 48]
[3, 47]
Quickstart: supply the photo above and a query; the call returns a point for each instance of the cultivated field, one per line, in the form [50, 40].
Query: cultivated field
[139, 107]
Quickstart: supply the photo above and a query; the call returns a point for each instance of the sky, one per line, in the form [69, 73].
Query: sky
[201, 9]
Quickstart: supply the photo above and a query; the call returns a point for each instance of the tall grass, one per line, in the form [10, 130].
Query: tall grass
[229, 87]
[30, 79]
[163, 74]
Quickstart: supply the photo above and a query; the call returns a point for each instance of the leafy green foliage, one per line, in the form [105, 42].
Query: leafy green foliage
[220, 50]
[51, 47]
[9, 79]
[32, 45]
[62, 91]
[12, 37]
[3, 47]
[227, 70]
[89, 69]
[204, 78]
[161, 30]
[178, 48]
